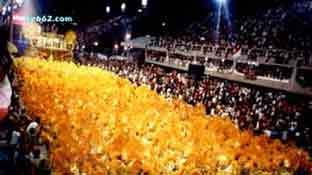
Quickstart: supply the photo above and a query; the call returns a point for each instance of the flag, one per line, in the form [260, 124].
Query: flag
[237, 53]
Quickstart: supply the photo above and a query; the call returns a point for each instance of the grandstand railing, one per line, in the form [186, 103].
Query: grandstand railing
[233, 75]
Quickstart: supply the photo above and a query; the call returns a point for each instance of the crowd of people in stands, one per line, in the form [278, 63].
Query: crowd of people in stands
[275, 113]
[276, 35]
[277, 73]
[280, 72]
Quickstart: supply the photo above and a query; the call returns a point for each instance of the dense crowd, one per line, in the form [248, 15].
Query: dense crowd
[22, 151]
[274, 72]
[276, 35]
[275, 113]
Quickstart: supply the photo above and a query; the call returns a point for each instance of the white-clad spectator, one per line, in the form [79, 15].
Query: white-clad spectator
[15, 138]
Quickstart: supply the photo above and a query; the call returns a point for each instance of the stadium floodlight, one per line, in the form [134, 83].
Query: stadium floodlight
[116, 46]
[144, 3]
[221, 1]
[128, 36]
[108, 9]
[123, 7]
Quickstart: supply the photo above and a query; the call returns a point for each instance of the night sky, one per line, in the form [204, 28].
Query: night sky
[177, 12]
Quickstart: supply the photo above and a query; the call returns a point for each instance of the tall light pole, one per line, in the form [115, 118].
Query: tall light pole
[144, 3]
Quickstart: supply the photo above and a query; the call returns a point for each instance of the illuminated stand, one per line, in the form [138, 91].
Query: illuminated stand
[50, 45]
[53, 46]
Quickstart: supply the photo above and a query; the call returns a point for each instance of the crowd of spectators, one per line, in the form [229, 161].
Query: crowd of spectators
[277, 35]
[273, 72]
[22, 151]
[275, 113]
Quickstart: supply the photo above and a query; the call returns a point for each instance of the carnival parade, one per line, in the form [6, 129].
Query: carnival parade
[135, 93]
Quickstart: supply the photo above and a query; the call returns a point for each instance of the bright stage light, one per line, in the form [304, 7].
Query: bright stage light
[128, 36]
[95, 43]
[222, 2]
[144, 3]
[116, 46]
[123, 7]
[108, 9]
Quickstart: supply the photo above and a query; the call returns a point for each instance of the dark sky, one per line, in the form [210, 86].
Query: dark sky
[178, 14]
[175, 10]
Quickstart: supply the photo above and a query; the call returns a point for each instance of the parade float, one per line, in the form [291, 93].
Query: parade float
[97, 123]
[49, 45]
